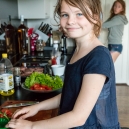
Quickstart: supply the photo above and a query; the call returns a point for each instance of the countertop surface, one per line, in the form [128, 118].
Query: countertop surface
[24, 95]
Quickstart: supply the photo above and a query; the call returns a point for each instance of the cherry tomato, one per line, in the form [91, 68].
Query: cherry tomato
[36, 86]
[46, 87]
[42, 88]
[32, 87]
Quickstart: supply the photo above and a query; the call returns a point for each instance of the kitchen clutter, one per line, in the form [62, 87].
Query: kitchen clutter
[40, 44]
[40, 51]
[24, 40]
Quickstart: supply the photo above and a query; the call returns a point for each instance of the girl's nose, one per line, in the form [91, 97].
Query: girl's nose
[71, 20]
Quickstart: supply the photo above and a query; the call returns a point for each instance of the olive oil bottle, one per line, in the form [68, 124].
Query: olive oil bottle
[6, 76]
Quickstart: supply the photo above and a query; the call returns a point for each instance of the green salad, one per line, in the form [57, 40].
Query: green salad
[55, 82]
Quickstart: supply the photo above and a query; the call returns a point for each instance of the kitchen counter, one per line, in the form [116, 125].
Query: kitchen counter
[21, 94]
[24, 95]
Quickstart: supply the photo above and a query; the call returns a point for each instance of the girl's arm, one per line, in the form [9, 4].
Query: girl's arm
[89, 93]
[49, 103]
[116, 20]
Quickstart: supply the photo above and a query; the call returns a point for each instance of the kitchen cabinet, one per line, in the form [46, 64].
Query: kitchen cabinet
[122, 63]
[34, 9]
[8, 7]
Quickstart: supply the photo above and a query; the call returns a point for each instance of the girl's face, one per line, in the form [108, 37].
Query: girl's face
[73, 22]
[117, 8]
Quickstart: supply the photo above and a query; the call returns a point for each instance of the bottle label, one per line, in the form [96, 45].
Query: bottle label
[17, 80]
[6, 82]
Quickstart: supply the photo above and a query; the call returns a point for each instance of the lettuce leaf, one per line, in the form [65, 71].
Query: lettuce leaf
[52, 81]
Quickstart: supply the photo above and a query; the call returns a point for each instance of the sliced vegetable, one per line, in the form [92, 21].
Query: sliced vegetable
[5, 113]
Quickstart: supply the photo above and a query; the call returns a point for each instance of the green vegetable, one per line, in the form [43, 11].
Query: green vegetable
[52, 81]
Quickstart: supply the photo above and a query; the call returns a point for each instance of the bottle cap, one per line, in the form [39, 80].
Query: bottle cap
[22, 17]
[4, 55]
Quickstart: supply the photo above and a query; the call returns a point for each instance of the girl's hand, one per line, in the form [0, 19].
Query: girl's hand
[19, 124]
[25, 112]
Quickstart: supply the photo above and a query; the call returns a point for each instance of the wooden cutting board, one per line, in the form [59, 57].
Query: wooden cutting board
[41, 115]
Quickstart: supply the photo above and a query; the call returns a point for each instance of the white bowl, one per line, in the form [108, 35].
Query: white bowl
[58, 69]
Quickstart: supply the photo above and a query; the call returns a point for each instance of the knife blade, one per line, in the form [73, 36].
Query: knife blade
[21, 104]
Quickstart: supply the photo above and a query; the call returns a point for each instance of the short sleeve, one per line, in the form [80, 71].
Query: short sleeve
[99, 63]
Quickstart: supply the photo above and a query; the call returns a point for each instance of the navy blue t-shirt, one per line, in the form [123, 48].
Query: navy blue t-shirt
[104, 114]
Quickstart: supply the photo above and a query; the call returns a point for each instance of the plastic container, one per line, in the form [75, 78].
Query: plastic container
[6, 76]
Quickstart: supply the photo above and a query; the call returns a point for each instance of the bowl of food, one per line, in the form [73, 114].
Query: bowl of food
[58, 69]
[43, 83]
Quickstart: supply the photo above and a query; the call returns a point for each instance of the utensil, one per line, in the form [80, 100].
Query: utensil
[21, 104]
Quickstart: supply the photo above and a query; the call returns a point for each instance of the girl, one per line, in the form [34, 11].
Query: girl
[88, 98]
[115, 25]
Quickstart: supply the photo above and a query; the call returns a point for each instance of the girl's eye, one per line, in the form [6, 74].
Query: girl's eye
[79, 14]
[64, 15]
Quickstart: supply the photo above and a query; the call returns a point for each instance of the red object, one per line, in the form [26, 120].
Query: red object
[33, 40]
[40, 87]
[7, 112]
[53, 61]
[30, 31]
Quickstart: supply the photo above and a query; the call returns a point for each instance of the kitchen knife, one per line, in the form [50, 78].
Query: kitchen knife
[20, 104]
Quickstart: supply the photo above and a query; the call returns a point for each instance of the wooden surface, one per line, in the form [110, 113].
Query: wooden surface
[41, 115]
[123, 104]
[122, 101]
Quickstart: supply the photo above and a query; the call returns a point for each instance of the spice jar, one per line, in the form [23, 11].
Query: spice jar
[40, 45]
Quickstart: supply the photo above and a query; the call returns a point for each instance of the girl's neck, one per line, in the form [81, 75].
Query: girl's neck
[85, 41]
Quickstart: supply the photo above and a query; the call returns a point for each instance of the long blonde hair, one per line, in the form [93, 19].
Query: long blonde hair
[93, 5]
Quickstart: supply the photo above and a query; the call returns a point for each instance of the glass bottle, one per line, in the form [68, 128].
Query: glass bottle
[6, 76]
[17, 76]
[10, 36]
[22, 30]
[63, 44]
[50, 34]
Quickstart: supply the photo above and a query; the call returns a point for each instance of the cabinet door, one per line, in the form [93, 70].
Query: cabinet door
[34, 9]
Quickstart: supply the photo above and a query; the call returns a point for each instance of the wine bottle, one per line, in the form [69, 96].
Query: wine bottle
[22, 30]
[10, 36]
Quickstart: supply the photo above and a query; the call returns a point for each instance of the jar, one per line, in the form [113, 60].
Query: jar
[40, 45]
